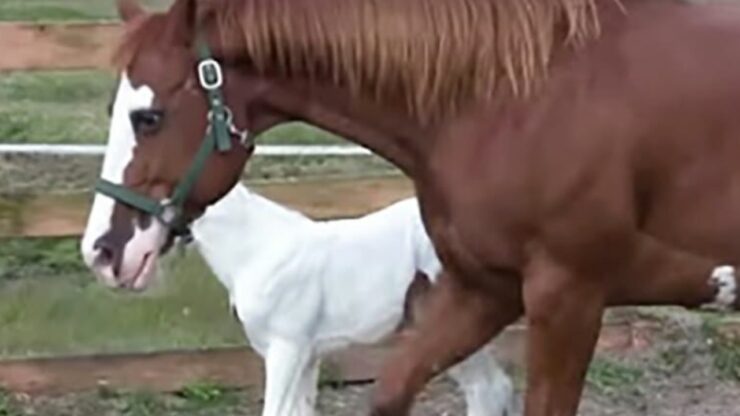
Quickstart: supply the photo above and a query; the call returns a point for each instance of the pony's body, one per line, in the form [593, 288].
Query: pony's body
[303, 289]
[609, 177]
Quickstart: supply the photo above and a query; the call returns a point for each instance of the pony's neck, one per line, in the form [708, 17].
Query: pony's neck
[243, 227]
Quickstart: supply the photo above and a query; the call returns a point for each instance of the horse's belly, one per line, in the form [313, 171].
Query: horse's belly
[704, 219]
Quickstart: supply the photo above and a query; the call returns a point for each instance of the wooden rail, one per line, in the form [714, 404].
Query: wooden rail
[33, 46]
[241, 367]
[65, 215]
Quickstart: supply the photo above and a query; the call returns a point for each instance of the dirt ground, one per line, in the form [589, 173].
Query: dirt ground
[681, 396]
[682, 373]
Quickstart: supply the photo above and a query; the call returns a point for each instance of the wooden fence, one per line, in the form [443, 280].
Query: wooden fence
[65, 215]
[33, 46]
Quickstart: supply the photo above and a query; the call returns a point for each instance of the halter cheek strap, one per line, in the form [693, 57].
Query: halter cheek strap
[218, 138]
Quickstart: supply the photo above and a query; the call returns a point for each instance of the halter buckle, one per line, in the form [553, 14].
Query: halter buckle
[210, 75]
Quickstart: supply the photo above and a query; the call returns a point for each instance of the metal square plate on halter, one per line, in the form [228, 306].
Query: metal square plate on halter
[210, 75]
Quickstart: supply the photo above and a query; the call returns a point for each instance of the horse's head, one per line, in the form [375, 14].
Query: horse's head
[173, 145]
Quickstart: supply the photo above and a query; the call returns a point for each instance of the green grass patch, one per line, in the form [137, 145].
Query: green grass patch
[71, 107]
[54, 106]
[53, 314]
[609, 376]
[203, 393]
[141, 404]
[196, 398]
[673, 358]
[65, 10]
[230, 402]
[21, 258]
[724, 347]
[6, 408]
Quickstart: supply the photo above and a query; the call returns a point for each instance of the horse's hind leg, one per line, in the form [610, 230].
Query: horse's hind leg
[662, 274]
[455, 321]
[488, 390]
[564, 311]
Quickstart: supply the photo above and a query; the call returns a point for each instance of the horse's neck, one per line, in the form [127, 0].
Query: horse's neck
[242, 228]
[388, 132]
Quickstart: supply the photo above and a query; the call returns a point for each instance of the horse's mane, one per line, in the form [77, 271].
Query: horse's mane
[437, 55]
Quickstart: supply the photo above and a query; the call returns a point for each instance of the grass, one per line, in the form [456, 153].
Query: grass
[133, 403]
[70, 107]
[39, 257]
[65, 10]
[203, 393]
[725, 348]
[57, 313]
[5, 405]
[609, 376]
[54, 106]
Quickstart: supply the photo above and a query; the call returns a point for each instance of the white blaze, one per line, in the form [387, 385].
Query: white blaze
[118, 154]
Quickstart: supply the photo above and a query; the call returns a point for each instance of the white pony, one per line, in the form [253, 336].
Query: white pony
[303, 288]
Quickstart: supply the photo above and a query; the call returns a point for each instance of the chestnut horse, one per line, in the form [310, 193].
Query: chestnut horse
[568, 155]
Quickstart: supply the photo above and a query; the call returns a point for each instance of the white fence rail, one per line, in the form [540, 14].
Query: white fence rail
[265, 150]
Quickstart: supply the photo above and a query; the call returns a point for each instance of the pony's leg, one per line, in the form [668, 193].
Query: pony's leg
[309, 388]
[285, 363]
[456, 320]
[487, 388]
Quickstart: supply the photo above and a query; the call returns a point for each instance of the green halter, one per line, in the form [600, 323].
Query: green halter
[218, 138]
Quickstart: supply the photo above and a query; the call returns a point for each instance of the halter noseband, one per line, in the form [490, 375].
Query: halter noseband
[218, 137]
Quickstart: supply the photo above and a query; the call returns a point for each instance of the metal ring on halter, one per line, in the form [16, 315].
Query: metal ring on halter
[165, 203]
[242, 135]
[203, 67]
[229, 116]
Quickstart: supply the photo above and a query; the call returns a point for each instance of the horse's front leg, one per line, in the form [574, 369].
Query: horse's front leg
[456, 320]
[564, 313]
[285, 364]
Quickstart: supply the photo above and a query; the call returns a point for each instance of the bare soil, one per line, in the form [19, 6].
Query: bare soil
[676, 375]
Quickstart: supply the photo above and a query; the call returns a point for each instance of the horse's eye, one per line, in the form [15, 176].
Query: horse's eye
[146, 122]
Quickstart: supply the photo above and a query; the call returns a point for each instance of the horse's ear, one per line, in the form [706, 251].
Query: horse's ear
[129, 9]
[181, 21]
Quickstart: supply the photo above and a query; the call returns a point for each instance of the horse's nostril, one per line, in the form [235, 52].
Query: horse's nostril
[105, 252]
